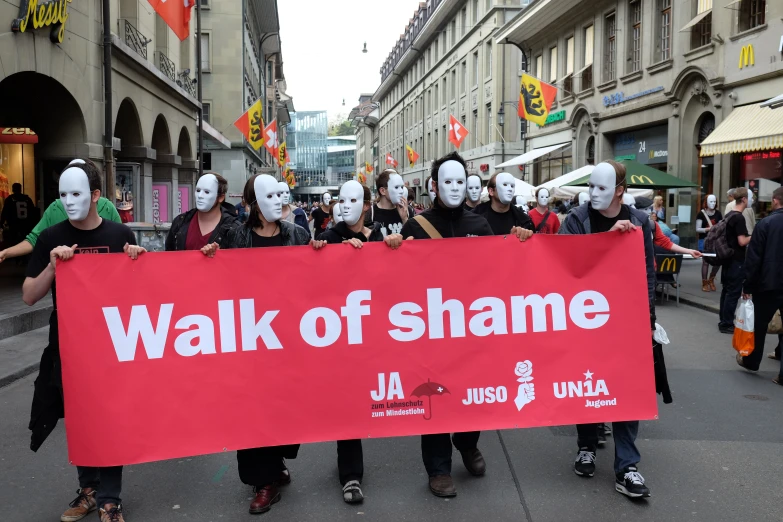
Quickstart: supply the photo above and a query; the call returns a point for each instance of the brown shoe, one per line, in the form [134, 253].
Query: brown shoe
[474, 462]
[264, 499]
[81, 506]
[711, 282]
[111, 513]
[705, 285]
[443, 486]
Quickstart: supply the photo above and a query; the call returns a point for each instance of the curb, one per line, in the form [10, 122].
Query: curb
[21, 373]
[690, 302]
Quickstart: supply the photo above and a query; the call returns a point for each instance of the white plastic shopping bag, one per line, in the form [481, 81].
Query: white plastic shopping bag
[743, 340]
[660, 335]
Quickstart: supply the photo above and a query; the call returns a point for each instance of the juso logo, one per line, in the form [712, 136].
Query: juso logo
[586, 388]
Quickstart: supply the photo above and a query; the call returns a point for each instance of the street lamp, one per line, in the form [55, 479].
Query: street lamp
[501, 116]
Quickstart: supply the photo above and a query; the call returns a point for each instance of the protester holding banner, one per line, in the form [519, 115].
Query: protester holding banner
[320, 214]
[473, 193]
[390, 209]
[264, 468]
[85, 231]
[503, 217]
[544, 220]
[430, 191]
[606, 213]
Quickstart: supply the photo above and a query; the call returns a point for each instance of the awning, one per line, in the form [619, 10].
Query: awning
[17, 135]
[698, 18]
[524, 189]
[774, 103]
[567, 178]
[527, 157]
[640, 175]
[214, 136]
[748, 128]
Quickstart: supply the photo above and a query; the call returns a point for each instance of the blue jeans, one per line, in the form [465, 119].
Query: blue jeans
[731, 280]
[624, 433]
[107, 482]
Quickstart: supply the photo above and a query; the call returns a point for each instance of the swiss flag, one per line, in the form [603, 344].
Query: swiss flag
[270, 138]
[391, 161]
[176, 14]
[457, 132]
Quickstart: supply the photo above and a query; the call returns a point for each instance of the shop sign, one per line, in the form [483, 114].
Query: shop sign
[746, 57]
[17, 135]
[160, 204]
[554, 117]
[629, 157]
[183, 199]
[619, 97]
[649, 146]
[52, 14]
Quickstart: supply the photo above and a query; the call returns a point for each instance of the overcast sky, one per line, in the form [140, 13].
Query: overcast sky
[322, 48]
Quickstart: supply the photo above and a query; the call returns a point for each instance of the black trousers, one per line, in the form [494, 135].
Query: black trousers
[436, 450]
[107, 482]
[731, 280]
[764, 306]
[260, 467]
[350, 460]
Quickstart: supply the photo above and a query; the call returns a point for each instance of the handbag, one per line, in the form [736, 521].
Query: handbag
[776, 324]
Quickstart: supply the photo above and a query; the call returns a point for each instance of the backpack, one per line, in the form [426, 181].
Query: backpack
[717, 243]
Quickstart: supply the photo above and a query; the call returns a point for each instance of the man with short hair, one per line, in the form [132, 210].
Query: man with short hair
[503, 217]
[730, 204]
[737, 237]
[19, 213]
[321, 214]
[391, 208]
[764, 280]
[748, 213]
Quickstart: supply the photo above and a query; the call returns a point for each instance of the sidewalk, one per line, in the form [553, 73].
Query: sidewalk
[690, 291]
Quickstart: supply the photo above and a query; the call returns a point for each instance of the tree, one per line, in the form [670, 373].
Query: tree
[340, 126]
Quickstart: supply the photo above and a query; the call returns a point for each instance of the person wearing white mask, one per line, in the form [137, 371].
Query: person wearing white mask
[85, 232]
[606, 213]
[544, 220]
[503, 217]
[354, 202]
[430, 190]
[391, 208]
[473, 192]
[208, 223]
[708, 217]
[292, 213]
[320, 214]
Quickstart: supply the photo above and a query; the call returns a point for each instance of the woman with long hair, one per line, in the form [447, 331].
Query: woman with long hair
[658, 208]
[708, 216]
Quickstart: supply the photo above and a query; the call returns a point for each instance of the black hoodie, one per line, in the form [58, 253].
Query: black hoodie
[340, 232]
[515, 216]
[449, 222]
[178, 234]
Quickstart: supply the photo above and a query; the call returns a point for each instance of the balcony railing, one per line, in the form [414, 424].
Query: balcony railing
[185, 81]
[166, 66]
[134, 39]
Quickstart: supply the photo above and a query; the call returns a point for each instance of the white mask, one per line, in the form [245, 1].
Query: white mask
[474, 189]
[629, 200]
[326, 198]
[268, 197]
[405, 194]
[75, 193]
[206, 192]
[712, 201]
[584, 197]
[76, 162]
[394, 188]
[602, 184]
[543, 197]
[337, 214]
[451, 184]
[286, 192]
[505, 185]
[351, 202]
[431, 191]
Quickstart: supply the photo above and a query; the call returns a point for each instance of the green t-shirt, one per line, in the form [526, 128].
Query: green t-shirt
[55, 213]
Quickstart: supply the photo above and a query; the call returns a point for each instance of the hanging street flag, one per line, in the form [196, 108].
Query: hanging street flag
[412, 156]
[368, 167]
[251, 124]
[457, 132]
[361, 178]
[282, 155]
[270, 138]
[535, 99]
[391, 161]
[176, 14]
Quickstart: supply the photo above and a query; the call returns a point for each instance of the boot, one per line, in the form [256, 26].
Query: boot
[705, 285]
[711, 282]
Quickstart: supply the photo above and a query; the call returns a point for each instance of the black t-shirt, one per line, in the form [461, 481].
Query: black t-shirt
[601, 223]
[714, 218]
[390, 220]
[320, 220]
[735, 227]
[260, 241]
[502, 223]
[108, 238]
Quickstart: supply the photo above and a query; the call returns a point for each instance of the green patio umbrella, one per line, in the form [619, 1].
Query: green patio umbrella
[639, 175]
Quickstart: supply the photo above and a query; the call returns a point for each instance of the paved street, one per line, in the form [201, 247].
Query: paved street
[716, 454]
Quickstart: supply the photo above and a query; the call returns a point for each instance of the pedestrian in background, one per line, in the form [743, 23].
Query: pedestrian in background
[707, 218]
[763, 272]
[737, 238]
[659, 210]
[747, 213]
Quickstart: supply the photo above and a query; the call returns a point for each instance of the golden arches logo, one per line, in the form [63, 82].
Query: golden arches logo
[669, 264]
[747, 57]
[641, 180]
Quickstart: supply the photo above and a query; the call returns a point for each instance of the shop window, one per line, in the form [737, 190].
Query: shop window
[17, 165]
[663, 31]
[635, 36]
[610, 49]
[590, 151]
[751, 14]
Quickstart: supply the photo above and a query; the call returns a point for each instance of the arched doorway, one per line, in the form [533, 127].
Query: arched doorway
[27, 100]
[706, 165]
[187, 172]
[163, 180]
[127, 128]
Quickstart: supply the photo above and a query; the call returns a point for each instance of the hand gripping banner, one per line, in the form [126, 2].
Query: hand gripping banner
[189, 355]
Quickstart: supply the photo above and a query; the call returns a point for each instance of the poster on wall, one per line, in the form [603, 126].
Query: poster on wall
[183, 199]
[160, 203]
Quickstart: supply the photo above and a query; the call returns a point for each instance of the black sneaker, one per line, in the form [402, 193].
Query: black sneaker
[584, 465]
[630, 483]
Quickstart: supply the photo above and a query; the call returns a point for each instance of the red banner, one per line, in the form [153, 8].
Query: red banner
[184, 355]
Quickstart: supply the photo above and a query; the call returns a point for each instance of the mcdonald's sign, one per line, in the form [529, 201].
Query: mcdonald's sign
[746, 56]
[669, 264]
[641, 180]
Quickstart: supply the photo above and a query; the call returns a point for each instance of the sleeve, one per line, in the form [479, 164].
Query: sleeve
[130, 236]
[43, 224]
[660, 238]
[569, 225]
[555, 223]
[527, 223]
[171, 241]
[649, 257]
[740, 226]
[40, 256]
[753, 259]
[486, 229]
[409, 229]
[300, 218]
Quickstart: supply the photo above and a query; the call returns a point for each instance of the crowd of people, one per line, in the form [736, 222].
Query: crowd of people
[81, 221]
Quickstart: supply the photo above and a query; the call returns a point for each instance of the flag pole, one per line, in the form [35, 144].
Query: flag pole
[199, 88]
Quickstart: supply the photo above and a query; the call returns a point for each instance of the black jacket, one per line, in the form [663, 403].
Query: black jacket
[340, 232]
[456, 222]
[178, 234]
[520, 218]
[242, 236]
[764, 257]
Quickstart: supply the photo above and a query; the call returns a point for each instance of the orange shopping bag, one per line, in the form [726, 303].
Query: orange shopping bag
[743, 340]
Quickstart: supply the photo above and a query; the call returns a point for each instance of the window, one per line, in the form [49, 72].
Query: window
[586, 74]
[463, 20]
[205, 61]
[539, 66]
[568, 81]
[204, 4]
[751, 14]
[436, 145]
[429, 57]
[445, 93]
[474, 12]
[435, 45]
[465, 77]
[454, 84]
[553, 65]
[635, 45]
[437, 99]
[489, 124]
[206, 111]
[664, 50]
[488, 62]
[489, 5]
[475, 129]
[475, 68]
[701, 34]
[453, 33]
[610, 49]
